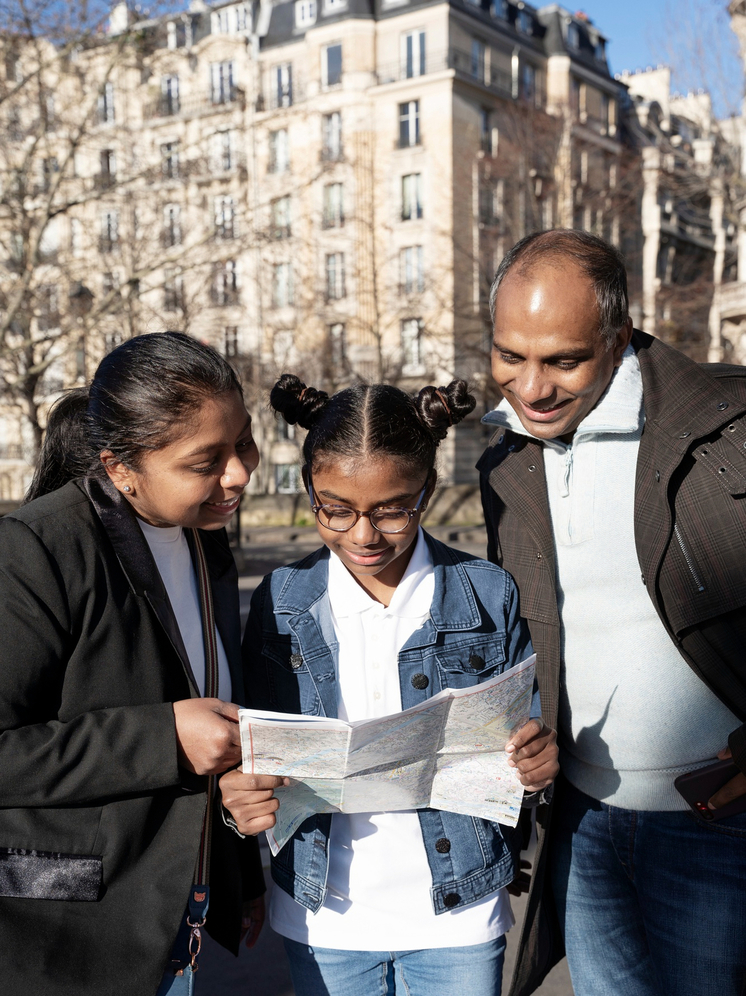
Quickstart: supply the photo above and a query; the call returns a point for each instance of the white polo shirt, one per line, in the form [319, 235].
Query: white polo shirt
[379, 879]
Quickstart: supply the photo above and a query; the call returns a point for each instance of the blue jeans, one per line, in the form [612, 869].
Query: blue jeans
[176, 985]
[650, 903]
[475, 969]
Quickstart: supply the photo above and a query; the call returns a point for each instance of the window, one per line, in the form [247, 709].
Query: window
[488, 133]
[225, 218]
[224, 289]
[305, 13]
[573, 35]
[487, 214]
[284, 353]
[282, 83]
[241, 17]
[576, 97]
[172, 39]
[334, 216]
[411, 273]
[219, 22]
[411, 196]
[282, 285]
[411, 345]
[284, 432]
[170, 160]
[413, 54]
[333, 6]
[49, 310]
[80, 371]
[109, 231]
[500, 9]
[287, 478]
[599, 49]
[331, 150]
[478, 60]
[221, 151]
[109, 283]
[280, 217]
[169, 95]
[49, 167]
[528, 82]
[171, 225]
[112, 340]
[335, 276]
[106, 104]
[222, 82]
[230, 341]
[173, 291]
[107, 167]
[524, 22]
[338, 346]
[279, 151]
[409, 124]
[332, 66]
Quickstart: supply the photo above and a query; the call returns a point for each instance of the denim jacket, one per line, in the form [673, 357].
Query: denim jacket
[474, 633]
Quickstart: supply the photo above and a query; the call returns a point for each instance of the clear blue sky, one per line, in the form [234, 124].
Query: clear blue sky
[692, 36]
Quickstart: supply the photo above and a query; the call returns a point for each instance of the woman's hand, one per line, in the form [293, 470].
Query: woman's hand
[207, 735]
[533, 751]
[250, 799]
[252, 921]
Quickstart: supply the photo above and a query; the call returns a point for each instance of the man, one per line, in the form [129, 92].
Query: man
[614, 491]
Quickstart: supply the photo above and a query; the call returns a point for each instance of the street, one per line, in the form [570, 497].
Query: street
[263, 971]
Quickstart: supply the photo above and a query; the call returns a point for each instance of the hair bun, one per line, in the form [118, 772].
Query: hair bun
[441, 407]
[297, 403]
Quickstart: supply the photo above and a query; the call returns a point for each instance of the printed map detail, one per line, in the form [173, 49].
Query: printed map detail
[447, 753]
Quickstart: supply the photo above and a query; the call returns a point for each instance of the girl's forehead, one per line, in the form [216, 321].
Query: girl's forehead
[384, 476]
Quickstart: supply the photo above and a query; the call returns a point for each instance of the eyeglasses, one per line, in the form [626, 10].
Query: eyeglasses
[340, 518]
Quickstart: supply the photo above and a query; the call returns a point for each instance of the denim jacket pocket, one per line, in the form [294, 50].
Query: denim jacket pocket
[472, 660]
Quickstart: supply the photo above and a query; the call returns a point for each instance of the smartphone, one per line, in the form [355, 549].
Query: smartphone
[700, 785]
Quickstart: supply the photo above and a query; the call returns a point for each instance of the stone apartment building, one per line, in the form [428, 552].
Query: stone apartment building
[323, 186]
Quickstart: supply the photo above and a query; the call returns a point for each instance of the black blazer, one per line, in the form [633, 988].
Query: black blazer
[99, 827]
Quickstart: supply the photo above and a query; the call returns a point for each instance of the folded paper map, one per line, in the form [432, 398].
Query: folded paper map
[446, 753]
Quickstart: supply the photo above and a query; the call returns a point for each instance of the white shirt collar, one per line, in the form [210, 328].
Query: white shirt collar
[411, 598]
[620, 408]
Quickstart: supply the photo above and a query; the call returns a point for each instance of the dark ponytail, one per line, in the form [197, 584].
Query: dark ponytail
[365, 420]
[144, 394]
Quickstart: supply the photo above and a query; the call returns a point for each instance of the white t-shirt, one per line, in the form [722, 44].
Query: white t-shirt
[379, 879]
[170, 550]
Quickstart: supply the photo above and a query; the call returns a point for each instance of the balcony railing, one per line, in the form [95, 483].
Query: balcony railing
[168, 107]
[465, 64]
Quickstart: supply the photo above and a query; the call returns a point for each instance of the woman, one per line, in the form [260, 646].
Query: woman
[105, 741]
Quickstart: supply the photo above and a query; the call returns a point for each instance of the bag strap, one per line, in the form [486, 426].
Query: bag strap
[199, 895]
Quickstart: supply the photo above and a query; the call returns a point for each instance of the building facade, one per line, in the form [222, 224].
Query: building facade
[323, 186]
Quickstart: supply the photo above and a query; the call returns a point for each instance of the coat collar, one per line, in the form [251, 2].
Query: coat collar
[139, 567]
[454, 606]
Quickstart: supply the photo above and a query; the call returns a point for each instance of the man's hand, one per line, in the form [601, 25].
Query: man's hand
[252, 921]
[207, 735]
[250, 799]
[533, 751]
[732, 790]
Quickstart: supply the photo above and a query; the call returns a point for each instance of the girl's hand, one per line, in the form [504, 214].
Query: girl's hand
[252, 921]
[250, 799]
[533, 751]
[207, 735]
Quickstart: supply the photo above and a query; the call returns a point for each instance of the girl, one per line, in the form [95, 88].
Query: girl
[379, 619]
[107, 634]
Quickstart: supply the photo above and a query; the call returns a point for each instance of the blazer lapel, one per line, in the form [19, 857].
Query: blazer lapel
[137, 561]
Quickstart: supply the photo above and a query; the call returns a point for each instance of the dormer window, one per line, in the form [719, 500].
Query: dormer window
[500, 9]
[573, 35]
[305, 13]
[600, 49]
[524, 22]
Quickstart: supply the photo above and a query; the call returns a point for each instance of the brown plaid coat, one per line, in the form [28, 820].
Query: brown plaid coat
[690, 531]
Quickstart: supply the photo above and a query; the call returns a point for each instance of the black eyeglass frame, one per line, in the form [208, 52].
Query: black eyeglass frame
[411, 512]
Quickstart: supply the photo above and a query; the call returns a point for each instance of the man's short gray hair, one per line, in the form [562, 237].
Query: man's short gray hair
[601, 262]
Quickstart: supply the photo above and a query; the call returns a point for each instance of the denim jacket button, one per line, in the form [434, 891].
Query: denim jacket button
[420, 681]
[476, 662]
[442, 845]
[452, 899]
[296, 661]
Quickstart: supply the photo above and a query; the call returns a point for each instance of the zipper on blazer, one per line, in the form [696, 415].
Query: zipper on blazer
[689, 559]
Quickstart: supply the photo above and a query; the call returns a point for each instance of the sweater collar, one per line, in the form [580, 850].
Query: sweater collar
[619, 409]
